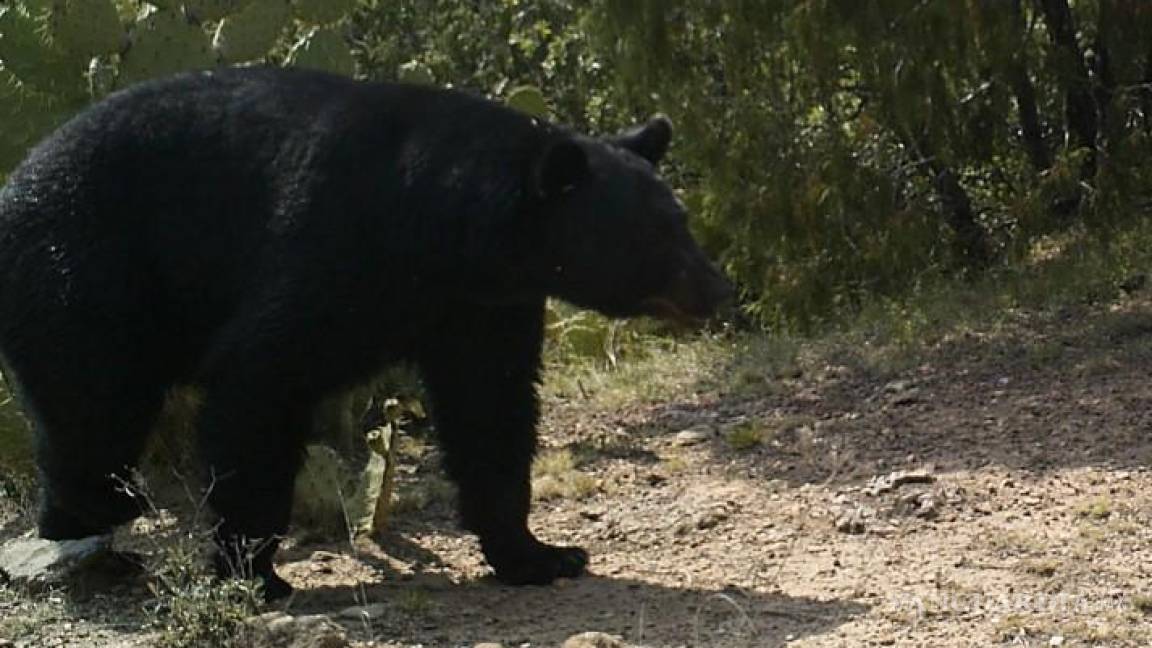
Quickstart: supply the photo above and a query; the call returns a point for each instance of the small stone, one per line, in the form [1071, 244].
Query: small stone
[281, 630]
[362, 612]
[907, 397]
[709, 519]
[927, 508]
[282, 623]
[1056, 640]
[851, 522]
[883, 531]
[692, 436]
[884, 483]
[897, 386]
[593, 640]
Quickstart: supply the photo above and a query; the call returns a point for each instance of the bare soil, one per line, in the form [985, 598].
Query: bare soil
[990, 487]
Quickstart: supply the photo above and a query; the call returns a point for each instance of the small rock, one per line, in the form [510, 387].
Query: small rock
[279, 623]
[37, 563]
[883, 531]
[851, 521]
[907, 397]
[692, 436]
[884, 483]
[927, 508]
[709, 519]
[897, 386]
[1056, 640]
[594, 515]
[593, 640]
[281, 630]
[362, 612]
[908, 501]
[919, 476]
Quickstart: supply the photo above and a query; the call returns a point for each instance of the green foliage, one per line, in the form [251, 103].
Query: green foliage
[56, 56]
[322, 12]
[745, 436]
[814, 136]
[86, 28]
[193, 609]
[202, 10]
[163, 43]
[831, 153]
[528, 99]
[335, 499]
[15, 444]
[322, 48]
[247, 35]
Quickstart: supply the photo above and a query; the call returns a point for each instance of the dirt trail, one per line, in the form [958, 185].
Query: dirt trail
[1024, 520]
[995, 492]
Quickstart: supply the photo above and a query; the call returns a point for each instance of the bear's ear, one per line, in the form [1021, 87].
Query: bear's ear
[650, 141]
[560, 167]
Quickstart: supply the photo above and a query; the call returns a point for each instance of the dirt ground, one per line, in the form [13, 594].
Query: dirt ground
[991, 488]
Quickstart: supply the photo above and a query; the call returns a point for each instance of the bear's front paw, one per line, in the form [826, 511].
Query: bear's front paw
[538, 564]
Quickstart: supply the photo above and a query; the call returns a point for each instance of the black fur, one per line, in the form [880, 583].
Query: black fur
[275, 236]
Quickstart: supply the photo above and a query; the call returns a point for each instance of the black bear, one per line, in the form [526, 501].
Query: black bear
[273, 236]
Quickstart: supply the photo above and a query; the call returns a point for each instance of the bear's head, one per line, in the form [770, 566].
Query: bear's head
[618, 238]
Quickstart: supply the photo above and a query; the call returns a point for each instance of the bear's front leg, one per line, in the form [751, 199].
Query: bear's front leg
[481, 373]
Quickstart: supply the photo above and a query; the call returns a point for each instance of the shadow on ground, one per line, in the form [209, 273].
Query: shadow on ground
[434, 610]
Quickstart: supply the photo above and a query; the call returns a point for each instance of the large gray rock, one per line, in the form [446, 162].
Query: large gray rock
[36, 563]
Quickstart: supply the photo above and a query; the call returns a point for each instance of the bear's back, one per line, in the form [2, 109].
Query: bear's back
[189, 192]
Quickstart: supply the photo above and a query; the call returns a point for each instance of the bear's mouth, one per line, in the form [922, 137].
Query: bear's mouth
[694, 296]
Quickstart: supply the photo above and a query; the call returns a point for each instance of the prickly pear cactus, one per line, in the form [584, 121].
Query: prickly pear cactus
[415, 72]
[528, 99]
[323, 48]
[58, 55]
[203, 10]
[164, 42]
[322, 12]
[86, 28]
[35, 62]
[249, 34]
[334, 498]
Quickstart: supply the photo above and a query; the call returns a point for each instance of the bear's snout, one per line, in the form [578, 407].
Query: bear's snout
[697, 293]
